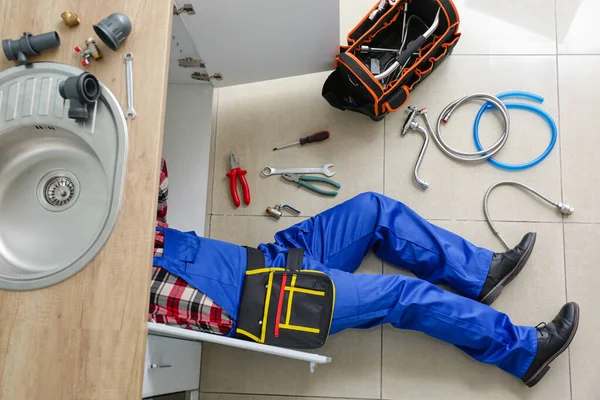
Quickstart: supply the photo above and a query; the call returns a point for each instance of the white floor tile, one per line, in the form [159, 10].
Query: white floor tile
[456, 189]
[506, 27]
[577, 26]
[417, 366]
[581, 249]
[228, 396]
[578, 121]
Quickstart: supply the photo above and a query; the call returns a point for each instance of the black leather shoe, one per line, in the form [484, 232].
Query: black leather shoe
[505, 267]
[553, 339]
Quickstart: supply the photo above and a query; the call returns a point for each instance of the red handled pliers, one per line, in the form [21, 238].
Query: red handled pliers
[235, 172]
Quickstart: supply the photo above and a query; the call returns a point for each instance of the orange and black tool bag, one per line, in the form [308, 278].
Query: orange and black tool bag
[353, 86]
[285, 307]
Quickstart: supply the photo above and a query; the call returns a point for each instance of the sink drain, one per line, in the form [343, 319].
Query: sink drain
[58, 190]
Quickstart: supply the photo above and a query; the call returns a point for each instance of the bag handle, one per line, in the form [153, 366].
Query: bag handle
[294, 260]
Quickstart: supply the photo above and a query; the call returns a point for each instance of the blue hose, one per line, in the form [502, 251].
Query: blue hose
[520, 106]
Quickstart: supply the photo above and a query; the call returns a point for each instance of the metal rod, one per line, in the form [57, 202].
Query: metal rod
[562, 207]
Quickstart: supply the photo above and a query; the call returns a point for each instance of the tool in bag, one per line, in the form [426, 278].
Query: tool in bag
[389, 55]
[302, 180]
[286, 307]
[315, 137]
[233, 174]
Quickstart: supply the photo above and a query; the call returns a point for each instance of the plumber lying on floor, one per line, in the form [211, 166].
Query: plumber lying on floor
[303, 295]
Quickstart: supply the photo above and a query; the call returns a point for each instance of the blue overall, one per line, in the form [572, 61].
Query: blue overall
[335, 243]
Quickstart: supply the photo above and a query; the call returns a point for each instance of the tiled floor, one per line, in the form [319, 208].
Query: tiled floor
[546, 47]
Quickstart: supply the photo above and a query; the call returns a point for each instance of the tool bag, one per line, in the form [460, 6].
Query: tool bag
[287, 307]
[353, 86]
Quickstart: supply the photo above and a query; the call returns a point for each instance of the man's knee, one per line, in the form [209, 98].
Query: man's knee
[372, 200]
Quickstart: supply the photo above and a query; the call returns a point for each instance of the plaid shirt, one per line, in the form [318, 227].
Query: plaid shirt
[172, 300]
[163, 192]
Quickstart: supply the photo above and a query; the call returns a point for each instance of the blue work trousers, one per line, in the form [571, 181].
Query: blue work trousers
[335, 243]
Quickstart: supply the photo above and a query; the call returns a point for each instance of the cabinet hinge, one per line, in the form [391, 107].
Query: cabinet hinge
[186, 9]
[190, 62]
[205, 77]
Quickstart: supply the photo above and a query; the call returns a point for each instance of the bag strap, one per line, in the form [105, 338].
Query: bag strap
[294, 260]
[360, 71]
[256, 259]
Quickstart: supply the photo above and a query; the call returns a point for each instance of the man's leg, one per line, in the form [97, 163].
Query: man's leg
[364, 301]
[341, 236]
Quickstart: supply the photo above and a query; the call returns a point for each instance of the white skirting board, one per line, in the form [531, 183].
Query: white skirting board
[186, 334]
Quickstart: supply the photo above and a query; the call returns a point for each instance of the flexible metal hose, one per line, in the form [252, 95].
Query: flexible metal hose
[562, 207]
[475, 156]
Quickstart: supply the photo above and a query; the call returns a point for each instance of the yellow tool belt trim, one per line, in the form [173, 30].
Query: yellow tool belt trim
[263, 270]
[307, 291]
[265, 315]
[299, 328]
[290, 297]
[246, 333]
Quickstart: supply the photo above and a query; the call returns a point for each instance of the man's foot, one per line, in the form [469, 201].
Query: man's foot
[553, 339]
[505, 267]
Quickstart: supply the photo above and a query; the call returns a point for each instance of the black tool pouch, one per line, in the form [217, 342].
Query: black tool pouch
[287, 307]
[352, 86]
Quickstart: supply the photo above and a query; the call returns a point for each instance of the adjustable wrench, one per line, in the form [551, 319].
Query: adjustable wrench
[130, 111]
[324, 170]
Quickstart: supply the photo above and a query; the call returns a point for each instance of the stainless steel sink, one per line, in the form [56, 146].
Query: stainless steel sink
[61, 181]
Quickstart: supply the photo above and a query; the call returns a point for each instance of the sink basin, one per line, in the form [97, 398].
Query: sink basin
[61, 181]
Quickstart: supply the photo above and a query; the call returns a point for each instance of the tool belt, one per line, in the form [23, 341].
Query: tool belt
[287, 307]
[353, 86]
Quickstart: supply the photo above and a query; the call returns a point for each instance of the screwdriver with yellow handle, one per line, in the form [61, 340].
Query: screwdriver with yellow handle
[315, 137]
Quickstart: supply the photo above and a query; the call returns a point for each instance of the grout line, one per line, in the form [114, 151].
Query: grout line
[562, 195]
[525, 55]
[300, 396]
[508, 55]
[381, 327]
[213, 152]
[524, 221]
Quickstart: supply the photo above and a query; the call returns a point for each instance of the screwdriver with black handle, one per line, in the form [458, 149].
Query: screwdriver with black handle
[315, 137]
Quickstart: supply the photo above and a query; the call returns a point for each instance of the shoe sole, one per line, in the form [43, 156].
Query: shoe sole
[496, 290]
[544, 368]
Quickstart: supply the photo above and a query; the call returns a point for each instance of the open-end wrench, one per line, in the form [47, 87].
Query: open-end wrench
[130, 111]
[324, 170]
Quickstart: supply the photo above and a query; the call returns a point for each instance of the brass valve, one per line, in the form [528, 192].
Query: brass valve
[89, 50]
[71, 19]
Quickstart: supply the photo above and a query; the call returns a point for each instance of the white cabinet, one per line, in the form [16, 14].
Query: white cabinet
[248, 41]
[172, 365]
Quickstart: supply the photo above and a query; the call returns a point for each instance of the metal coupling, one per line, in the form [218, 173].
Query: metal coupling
[565, 208]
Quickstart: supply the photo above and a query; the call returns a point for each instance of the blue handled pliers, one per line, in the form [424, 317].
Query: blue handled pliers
[302, 180]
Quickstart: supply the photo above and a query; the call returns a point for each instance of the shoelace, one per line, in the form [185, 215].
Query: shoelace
[541, 326]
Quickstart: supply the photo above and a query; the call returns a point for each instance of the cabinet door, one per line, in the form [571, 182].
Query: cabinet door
[172, 365]
[247, 41]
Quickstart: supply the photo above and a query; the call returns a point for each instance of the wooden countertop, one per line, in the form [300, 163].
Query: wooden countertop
[85, 338]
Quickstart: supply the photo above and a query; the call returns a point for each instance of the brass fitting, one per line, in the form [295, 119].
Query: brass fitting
[71, 19]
